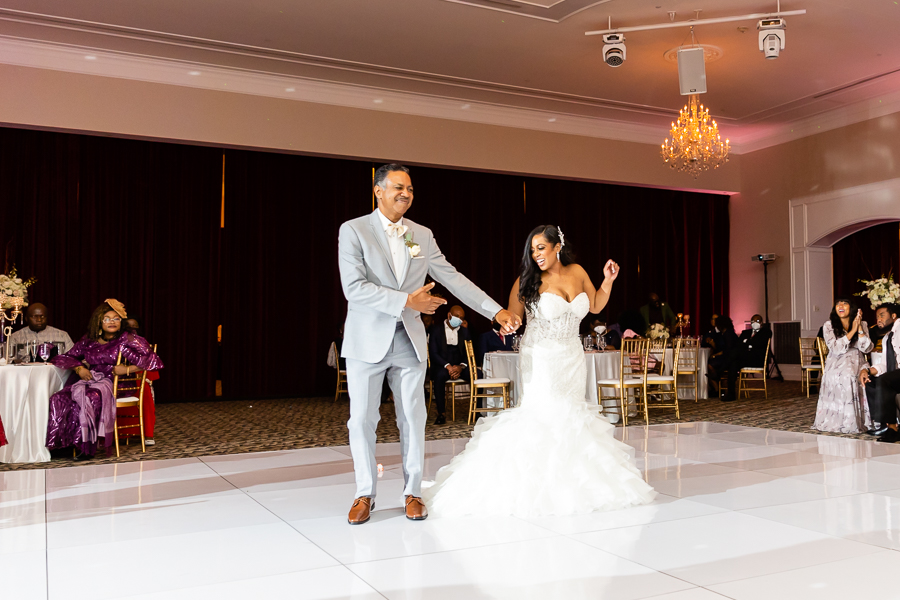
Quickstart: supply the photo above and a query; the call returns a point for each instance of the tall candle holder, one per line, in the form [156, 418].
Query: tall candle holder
[681, 322]
[10, 318]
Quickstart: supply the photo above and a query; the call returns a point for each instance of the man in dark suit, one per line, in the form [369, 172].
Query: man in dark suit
[448, 355]
[750, 352]
[881, 376]
[492, 341]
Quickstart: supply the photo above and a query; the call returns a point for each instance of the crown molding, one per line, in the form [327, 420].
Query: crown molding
[105, 63]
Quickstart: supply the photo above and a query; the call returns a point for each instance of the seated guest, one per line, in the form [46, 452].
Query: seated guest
[840, 408]
[717, 365]
[750, 351]
[129, 414]
[881, 377]
[492, 341]
[85, 410]
[712, 336]
[878, 332]
[448, 355]
[37, 317]
[657, 311]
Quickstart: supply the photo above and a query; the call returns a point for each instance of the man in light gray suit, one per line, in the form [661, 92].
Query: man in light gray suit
[383, 260]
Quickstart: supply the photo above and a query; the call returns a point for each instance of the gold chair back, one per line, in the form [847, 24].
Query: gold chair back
[130, 383]
[341, 375]
[688, 364]
[809, 354]
[480, 388]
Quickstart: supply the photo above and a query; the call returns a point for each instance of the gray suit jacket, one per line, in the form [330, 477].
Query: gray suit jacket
[375, 299]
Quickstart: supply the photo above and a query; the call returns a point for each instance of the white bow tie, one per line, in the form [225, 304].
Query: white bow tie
[395, 230]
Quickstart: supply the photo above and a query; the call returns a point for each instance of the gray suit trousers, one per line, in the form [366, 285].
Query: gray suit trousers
[406, 377]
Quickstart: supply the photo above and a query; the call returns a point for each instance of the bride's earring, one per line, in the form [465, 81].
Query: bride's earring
[557, 256]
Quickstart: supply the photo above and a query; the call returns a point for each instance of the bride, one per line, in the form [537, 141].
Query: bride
[553, 454]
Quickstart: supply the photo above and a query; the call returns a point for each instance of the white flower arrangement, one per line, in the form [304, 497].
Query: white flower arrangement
[658, 331]
[879, 291]
[12, 286]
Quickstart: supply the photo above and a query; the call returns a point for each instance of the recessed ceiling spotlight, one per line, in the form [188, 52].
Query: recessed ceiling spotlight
[193, 72]
[553, 120]
[90, 57]
[466, 106]
[290, 90]
[377, 100]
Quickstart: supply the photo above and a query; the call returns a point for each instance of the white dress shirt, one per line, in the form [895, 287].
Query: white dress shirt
[397, 245]
[878, 359]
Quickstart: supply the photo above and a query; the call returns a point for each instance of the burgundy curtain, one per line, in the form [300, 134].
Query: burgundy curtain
[866, 254]
[94, 217]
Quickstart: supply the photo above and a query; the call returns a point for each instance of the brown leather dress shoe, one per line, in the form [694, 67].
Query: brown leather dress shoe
[415, 509]
[361, 510]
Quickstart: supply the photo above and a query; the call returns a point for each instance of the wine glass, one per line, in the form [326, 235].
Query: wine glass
[44, 351]
[601, 343]
[32, 351]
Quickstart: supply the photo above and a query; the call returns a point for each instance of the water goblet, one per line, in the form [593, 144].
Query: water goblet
[44, 351]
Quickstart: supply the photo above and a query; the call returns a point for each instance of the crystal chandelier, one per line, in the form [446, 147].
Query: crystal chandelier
[695, 145]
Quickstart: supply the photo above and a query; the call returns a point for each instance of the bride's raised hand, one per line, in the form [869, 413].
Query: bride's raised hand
[611, 270]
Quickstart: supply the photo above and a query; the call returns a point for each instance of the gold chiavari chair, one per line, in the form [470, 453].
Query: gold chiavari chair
[748, 375]
[663, 389]
[482, 387]
[341, 374]
[688, 365]
[134, 384]
[461, 393]
[809, 354]
[632, 378]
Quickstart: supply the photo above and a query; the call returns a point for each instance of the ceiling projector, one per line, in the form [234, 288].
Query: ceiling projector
[771, 37]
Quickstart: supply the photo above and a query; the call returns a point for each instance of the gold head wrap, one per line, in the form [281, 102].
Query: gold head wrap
[117, 306]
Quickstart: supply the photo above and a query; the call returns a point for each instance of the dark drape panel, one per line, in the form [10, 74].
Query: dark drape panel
[95, 217]
[866, 254]
[281, 294]
[665, 241]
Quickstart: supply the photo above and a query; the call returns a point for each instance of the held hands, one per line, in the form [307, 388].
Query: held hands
[508, 322]
[455, 371]
[422, 301]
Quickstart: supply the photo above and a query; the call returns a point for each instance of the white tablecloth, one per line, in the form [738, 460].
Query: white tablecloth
[24, 407]
[599, 365]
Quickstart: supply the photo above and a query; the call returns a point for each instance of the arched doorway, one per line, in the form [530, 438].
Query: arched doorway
[817, 223]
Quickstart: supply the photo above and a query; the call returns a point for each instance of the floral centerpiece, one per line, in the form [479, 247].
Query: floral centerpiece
[879, 291]
[658, 331]
[11, 285]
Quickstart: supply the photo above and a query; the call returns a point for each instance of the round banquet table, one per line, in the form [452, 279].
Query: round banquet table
[25, 392]
[599, 365]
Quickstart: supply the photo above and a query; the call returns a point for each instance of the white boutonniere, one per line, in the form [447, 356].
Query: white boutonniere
[411, 246]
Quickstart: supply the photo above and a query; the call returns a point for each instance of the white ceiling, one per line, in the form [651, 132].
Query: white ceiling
[499, 57]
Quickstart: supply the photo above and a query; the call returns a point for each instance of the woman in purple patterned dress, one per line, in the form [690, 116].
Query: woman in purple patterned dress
[84, 411]
[842, 408]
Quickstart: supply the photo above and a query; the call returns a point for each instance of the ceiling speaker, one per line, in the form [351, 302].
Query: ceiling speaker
[691, 71]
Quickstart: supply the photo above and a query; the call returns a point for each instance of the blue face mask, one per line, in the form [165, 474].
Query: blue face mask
[455, 322]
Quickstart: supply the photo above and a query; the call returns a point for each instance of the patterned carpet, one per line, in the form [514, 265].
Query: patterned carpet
[232, 427]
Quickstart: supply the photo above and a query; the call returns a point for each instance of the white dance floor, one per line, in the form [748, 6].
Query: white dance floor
[743, 513]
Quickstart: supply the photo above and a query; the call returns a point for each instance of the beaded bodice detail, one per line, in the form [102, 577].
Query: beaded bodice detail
[555, 318]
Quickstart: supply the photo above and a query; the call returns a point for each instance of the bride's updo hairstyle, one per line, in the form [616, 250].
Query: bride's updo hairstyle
[530, 277]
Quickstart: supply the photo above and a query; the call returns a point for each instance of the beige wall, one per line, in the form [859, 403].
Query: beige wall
[68, 101]
[865, 153]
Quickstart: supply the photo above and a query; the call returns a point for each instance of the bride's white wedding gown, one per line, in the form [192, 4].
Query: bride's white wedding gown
[551, 455]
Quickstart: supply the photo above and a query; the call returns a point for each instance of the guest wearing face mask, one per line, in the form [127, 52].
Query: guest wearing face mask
[657, 311]
[880, 377]
[448, 355]
[492, 341]
[750, 352]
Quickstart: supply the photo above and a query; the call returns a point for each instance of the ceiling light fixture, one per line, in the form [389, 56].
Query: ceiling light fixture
[695, 145]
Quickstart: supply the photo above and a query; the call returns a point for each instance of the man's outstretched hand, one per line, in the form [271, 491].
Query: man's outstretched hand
[508, 322]
[422, 301]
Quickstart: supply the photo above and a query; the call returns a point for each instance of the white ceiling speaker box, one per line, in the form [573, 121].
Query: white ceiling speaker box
[691, 71]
